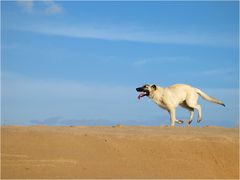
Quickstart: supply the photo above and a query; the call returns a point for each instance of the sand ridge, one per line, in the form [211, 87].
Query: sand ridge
[119, 152]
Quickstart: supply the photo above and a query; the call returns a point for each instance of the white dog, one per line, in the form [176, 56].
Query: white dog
[179, 94]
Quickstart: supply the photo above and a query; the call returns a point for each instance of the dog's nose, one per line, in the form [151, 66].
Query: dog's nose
[138, 89]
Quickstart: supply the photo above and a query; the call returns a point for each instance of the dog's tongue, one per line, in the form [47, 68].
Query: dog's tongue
[141, 95]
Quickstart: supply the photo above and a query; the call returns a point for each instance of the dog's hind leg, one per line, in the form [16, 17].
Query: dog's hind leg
[199, 109]
[191, 116]
[192, 103]
[191, 111]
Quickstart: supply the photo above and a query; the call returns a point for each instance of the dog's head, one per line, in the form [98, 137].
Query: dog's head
[146, 90]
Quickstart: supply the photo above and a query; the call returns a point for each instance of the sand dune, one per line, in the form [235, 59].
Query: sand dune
[119, 152]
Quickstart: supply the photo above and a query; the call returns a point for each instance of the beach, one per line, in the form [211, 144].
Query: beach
[47, 152]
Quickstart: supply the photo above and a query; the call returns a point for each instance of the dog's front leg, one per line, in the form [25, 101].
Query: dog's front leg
[172, 113]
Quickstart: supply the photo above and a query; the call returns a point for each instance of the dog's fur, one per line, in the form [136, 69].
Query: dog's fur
[179, 94]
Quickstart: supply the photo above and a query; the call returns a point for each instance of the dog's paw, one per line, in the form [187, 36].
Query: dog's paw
[179, 121]
[199, 120]
[189, 122]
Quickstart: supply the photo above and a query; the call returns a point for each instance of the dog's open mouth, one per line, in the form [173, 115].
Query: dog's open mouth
[142, 94]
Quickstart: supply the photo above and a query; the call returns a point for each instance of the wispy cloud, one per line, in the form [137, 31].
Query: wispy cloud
[44, 6]
[26, 99]
[27, 6]
[9, 46]
[51, 7]
[140, 62]
[219, 71]
[161, 60]
[134, 34]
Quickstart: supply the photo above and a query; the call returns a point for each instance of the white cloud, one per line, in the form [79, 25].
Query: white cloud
[45, 6]
[134, 34]
[52, 7]
[27, 6]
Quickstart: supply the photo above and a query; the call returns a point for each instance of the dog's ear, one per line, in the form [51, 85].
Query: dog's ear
[154, 86]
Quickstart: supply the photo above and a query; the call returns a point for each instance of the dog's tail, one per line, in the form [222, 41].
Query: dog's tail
[208, 98]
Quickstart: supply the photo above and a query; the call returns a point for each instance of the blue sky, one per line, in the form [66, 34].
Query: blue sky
[78, 63]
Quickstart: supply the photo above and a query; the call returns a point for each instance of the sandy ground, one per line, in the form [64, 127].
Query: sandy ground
[119, 152]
